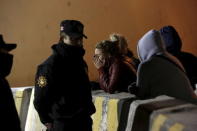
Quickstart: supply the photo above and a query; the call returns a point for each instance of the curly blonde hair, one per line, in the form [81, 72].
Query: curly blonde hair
[121, 40]
[108, 47]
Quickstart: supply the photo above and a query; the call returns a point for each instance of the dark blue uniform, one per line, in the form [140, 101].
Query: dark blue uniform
[62, 90]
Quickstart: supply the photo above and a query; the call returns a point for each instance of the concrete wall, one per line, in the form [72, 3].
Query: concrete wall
[119, 112]
[34, 26]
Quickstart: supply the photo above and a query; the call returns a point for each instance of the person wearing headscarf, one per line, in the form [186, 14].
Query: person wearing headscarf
[173, 45]
[159, 72]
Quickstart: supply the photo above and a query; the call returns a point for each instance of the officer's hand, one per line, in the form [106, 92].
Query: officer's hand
[49, 126]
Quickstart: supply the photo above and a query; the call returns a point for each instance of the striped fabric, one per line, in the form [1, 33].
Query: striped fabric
[22, 97]
[178, 118]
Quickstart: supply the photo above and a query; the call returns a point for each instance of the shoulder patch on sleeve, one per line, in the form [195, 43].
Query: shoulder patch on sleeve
[42, 81]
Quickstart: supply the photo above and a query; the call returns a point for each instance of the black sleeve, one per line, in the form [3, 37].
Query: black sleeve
[192, 71]
[143, 91]
[43, 91]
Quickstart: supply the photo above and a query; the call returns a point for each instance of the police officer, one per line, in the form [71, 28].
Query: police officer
[9, 119]
[63, 97]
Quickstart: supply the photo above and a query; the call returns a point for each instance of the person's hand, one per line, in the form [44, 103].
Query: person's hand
[98, 63]
[132, 88]
[49, 126]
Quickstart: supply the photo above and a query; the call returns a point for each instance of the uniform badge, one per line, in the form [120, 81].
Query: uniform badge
[42, 81]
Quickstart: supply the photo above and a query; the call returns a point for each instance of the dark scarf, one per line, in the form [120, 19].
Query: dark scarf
[68, 50]
[6, 61]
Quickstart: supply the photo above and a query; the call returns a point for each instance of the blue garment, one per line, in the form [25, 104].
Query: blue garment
[173, 45]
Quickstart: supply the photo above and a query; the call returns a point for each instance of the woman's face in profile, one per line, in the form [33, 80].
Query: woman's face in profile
[98, 54]
[99, 59]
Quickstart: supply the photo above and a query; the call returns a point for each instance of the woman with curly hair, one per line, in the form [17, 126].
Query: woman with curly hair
[115, 73]
[124, 50]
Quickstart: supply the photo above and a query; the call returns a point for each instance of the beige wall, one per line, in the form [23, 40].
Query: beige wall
[34, 26]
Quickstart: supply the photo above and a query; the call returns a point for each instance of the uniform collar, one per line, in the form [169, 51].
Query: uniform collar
[68, 50]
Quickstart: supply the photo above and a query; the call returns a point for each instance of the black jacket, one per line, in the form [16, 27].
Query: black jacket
[9, 119]
[173, 45]
[189, 62]
[62, 89]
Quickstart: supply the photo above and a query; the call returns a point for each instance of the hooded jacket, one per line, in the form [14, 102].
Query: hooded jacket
[160, 73]
[173, 45]
[62, 89]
